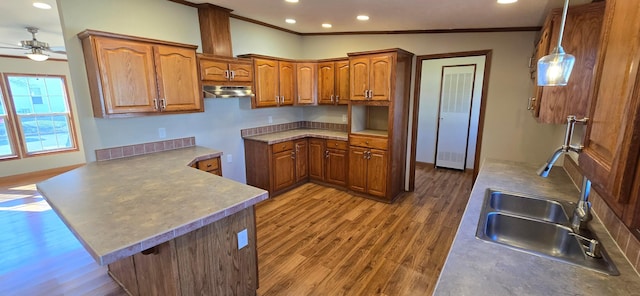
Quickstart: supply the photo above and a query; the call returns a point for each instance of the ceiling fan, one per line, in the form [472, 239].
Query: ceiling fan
[36, 48]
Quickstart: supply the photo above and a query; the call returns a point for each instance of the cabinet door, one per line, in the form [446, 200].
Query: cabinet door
[336, 167]
[316, 159]
[241, 72]
[127, 74]
[265, 82]
[283, 170]
[377, 173]
[287, 82]
[380, 78]
[359, 78]
[357, 169]
[326, 83]
[611, 141]
[302, 160]
[216, 71]
[342, 82]
[306, 83]
[542, 49]
[178, 83]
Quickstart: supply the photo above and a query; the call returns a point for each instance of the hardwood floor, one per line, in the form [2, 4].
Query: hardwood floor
[313, 240]
[316, 240]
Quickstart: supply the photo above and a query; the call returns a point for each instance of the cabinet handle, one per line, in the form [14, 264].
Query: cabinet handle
[370, 94]
[233, 74]
[226, 74]
[366, 92]
[155, 104]
[298, 98]
[209, 165]
[326, 153]
[281, 99]
[332, 97]
[163, 104]
[293, 155]
[337, 99]
[277, 100]
[364, 155]
[530, 105]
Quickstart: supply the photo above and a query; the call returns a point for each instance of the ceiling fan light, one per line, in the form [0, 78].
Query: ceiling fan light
[37, 55]
[41, 5]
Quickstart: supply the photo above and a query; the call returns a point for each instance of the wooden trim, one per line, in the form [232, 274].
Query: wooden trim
[399, 51]
[87, 33]
[18, 127]
[430, 31]
[200, 5]
[26, 58]
[37, 176]
[416, 103]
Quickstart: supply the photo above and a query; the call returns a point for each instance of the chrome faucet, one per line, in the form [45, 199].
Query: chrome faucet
[566, 146]
[582, 212]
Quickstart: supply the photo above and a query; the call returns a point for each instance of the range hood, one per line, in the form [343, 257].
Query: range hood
[224, 92]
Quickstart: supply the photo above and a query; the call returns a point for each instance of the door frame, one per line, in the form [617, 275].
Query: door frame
[466, 146]
[416, 104]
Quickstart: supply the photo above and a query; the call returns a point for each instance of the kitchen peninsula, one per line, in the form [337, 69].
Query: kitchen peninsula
[162, 226]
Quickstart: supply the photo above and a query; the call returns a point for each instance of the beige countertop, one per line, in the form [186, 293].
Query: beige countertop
[476, 267]
[120, 207]
[277, 137]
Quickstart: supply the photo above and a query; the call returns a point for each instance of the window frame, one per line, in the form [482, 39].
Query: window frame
[19, 137]
[12, 134]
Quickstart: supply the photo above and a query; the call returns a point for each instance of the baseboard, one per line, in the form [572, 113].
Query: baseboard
[37, 176]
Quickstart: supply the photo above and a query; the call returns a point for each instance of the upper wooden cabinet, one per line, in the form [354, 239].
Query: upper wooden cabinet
[132, 76]
[333, 82]
[306, 81]
[371, 76]
[612, 145]
[225, 71]
[273, 82]
[552, 104]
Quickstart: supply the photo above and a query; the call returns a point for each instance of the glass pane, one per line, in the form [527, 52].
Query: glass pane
[23, 104]
[37, 86]
[44, 133]
[19, 86]
[5, 146]
[3, 111]
[58, 104]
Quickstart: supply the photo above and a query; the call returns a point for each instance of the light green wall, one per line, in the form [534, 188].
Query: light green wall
[26, 165]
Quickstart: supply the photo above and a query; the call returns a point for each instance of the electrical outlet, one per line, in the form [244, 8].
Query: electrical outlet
[243, 239]
[229, 158]
[270, 119]
[162, 133]
[344, 117]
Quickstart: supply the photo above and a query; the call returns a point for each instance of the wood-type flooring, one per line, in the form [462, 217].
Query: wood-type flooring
[313, 240]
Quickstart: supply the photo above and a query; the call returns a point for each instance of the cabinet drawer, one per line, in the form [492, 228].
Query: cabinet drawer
[284, 146]
[209, 164]
[335, 144]
[369, 142]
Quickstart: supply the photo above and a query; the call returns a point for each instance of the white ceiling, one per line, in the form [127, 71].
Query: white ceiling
[386, 15]
[390, 15]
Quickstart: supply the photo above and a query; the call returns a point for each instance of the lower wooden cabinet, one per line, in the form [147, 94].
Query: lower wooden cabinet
[301, 156]
[277, 167]
[368, 171]
[283, 169]
[211, 165]
[328, 161]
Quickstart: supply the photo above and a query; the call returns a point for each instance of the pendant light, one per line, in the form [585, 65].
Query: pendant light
[554, 69]
[37, 55]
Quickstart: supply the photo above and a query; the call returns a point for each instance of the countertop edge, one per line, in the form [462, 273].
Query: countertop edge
[283, 136]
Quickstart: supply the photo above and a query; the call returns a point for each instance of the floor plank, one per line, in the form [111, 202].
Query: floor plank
[312, 240]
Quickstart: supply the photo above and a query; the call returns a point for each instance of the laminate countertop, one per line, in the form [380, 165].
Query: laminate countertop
[120, 207]
[476, 267]
[294, 134]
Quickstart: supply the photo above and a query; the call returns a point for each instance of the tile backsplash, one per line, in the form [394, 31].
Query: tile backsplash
[144, 148]
[627, 242]
[292, 125]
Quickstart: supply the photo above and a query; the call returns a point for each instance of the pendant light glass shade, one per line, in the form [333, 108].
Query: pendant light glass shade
[37, 55]
[555, 69]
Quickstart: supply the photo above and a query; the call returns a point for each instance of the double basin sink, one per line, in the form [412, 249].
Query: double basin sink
[538, 226]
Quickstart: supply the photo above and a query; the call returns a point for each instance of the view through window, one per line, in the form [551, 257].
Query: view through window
[41, 110]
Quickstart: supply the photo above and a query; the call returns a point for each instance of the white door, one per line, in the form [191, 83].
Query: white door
[456, 91]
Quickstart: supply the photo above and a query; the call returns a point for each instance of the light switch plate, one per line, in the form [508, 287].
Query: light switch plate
[243, 239]
[162, 133]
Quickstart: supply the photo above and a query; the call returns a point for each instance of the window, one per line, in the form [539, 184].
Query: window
[36, 108]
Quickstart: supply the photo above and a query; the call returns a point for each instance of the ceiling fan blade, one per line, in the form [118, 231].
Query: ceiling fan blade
[58, 51]
[6, 47]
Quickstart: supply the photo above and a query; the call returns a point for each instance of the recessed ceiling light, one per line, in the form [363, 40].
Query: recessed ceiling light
[292, 1]
[507, 1]
[290, 21]
[363, 17]
[41, 5]
[326, 25]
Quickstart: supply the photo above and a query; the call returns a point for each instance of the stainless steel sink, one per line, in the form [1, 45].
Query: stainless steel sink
[529, 206]
[537, 226]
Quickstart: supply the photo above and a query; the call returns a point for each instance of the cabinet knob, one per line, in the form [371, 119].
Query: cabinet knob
[209, 165]
[336, 144]
[366, 142]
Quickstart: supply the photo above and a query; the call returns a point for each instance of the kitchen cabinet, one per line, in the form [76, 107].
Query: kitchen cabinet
[211, 165]
[328, 161]
[225, 71]
[133, 76]
[610, 158]
[371, 77]
[274, 82]
[367, 171]
[552, 104]
[276, 167]
[333, 82]
[306, 81]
